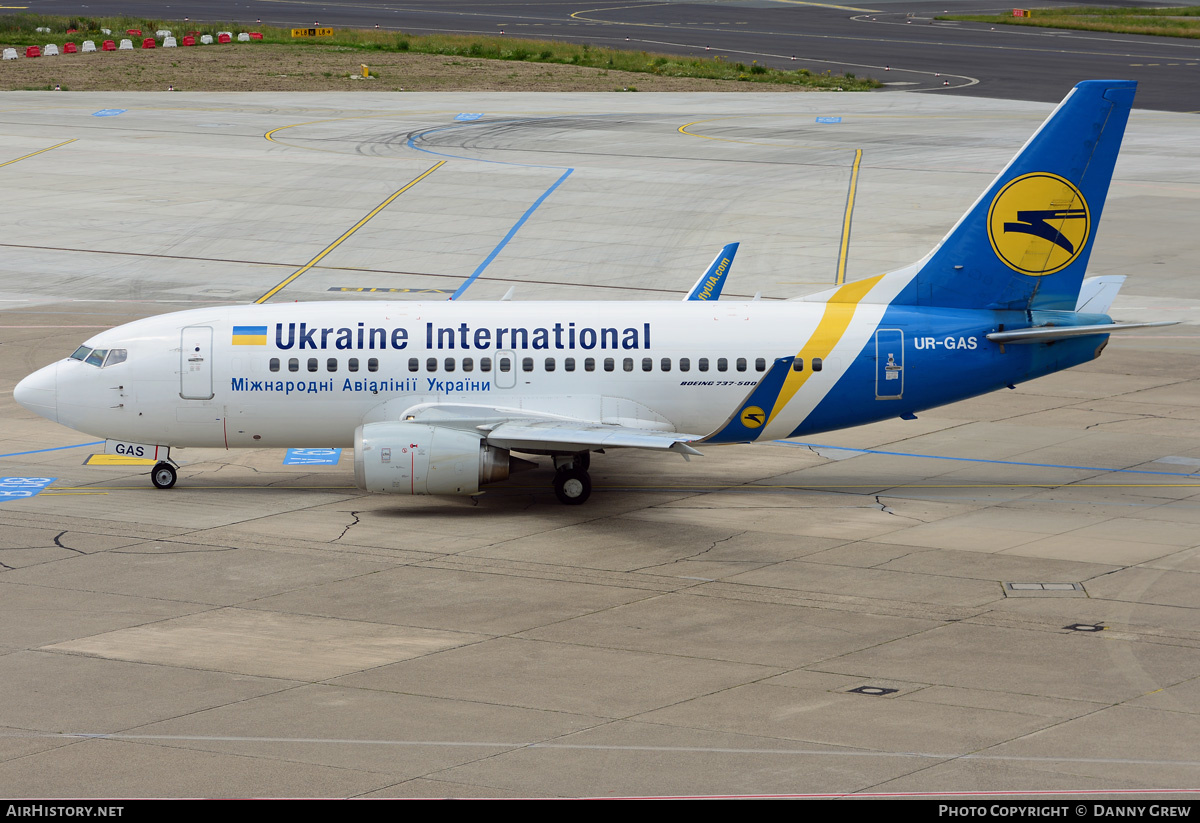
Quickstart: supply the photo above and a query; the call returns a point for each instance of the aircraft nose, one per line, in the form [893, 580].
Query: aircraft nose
[39, 392]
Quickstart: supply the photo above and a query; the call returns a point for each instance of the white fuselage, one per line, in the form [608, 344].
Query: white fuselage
[319, 370]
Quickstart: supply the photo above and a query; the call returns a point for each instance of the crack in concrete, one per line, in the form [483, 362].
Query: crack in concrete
[58, 543]
[712, 546]
[1128, 419]
[348, 527]
[204, 550]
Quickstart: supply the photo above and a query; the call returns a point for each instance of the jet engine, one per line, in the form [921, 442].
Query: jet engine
[412, 458]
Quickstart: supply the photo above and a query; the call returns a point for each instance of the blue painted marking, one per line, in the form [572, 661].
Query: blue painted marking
[312, 457]
[466, 116]
[511, 232]
[55, 449]
[412, 144]
[108, 112]
[20, 488]
[981, 460]
[829, 119]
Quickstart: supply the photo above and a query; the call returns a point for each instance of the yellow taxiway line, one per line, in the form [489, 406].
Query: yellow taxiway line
[844, 250]
[844, 253]
[281, 286]
[36, 153]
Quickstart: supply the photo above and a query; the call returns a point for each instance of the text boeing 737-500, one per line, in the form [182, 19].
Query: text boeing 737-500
[435, 397]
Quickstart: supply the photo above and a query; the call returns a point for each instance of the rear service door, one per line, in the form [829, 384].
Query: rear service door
[195, 363]
[889, 364]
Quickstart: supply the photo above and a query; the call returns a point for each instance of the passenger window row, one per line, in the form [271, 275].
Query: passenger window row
[331, 364]
[504, 364]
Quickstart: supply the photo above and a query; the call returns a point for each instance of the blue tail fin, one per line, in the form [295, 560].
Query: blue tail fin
[709, 286]
[1025, 243]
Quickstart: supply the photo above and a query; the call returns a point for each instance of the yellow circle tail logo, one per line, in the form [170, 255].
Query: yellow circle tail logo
[1039, 223]
[753, 417]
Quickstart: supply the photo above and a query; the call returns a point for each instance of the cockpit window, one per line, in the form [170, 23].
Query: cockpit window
[100, 357]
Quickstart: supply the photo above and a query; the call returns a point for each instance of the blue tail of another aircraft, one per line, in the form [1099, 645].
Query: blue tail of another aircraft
[710, 284]
[1024, 244]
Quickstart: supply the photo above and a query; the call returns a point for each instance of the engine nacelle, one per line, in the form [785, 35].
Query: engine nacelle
[412, 458]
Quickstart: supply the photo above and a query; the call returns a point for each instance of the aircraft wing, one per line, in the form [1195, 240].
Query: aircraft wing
[559, 436]
[533, 431]
[530, 431]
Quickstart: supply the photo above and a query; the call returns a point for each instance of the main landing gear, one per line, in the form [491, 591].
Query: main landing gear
[572, 484]
[163, 475]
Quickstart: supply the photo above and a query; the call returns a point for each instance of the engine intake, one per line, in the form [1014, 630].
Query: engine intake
[412, 458]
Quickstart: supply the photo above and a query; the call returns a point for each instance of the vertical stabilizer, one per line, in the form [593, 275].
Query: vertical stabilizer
[1025, 242]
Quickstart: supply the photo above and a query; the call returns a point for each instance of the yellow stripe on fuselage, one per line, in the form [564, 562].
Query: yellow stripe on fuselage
[249, 340]
[839, 311]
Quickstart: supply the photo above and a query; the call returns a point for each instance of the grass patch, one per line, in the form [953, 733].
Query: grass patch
[19, 30]
[1167, 22]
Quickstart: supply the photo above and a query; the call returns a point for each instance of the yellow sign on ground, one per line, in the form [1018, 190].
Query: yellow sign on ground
[312, 32]
[116, 460]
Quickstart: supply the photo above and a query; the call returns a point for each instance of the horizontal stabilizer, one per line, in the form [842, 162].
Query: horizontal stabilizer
[710, 284]
[1096, 294]
[1041, 334]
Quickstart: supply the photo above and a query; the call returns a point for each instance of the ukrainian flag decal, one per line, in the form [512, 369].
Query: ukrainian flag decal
[249, 335]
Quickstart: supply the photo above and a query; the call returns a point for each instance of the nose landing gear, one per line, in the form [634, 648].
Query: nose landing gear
[163, 475]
